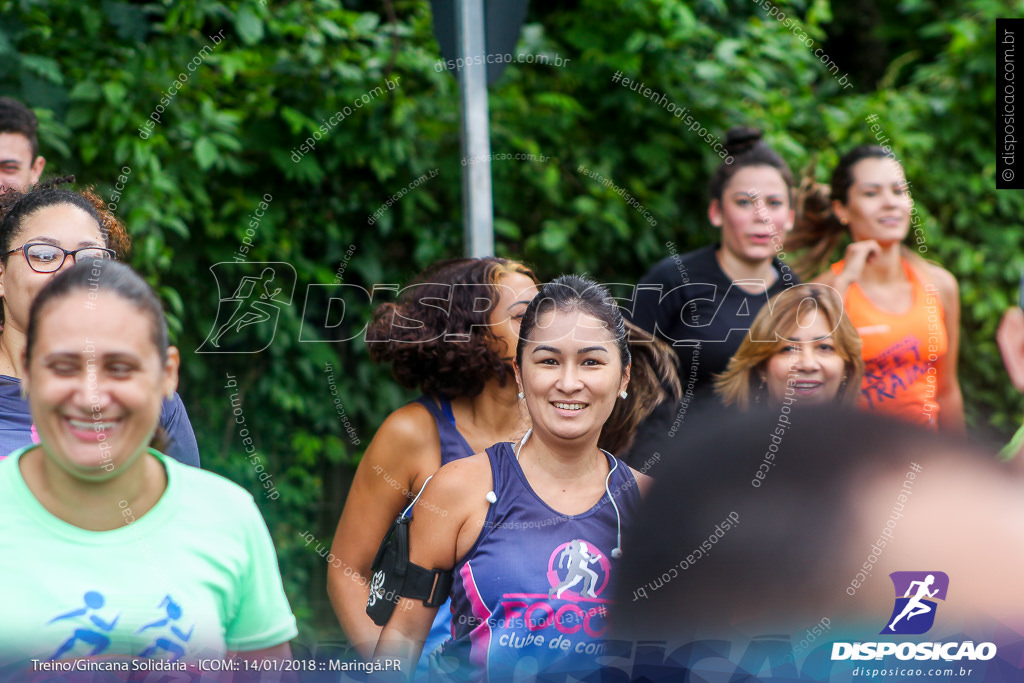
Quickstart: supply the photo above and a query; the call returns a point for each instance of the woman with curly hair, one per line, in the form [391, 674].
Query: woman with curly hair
[801, 348]
[440, 339]
[43, 232]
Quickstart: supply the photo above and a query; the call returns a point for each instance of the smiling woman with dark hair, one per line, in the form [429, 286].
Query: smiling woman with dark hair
[906, 309]
[532, 529]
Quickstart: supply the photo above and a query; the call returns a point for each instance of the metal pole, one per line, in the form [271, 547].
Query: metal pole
[477, 206]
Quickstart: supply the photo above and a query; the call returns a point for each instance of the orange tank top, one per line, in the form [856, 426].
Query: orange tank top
[900, 350]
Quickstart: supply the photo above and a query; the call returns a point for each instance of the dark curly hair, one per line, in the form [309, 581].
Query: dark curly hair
[16, 207]
[437, 336]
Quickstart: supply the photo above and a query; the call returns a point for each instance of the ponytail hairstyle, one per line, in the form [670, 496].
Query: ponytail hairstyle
[746, 148]
[817, 228]
[653, 380]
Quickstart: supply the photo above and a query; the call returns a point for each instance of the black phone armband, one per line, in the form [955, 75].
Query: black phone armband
[394, 576]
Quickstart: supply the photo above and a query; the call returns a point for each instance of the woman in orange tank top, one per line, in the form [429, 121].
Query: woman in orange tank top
[906, 309]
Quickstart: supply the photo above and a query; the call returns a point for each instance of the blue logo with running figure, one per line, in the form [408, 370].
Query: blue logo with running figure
[916, 593]
[91, 627]
[166, 642]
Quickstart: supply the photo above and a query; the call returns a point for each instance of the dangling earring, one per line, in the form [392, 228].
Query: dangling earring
[623, 394]
[760, 389]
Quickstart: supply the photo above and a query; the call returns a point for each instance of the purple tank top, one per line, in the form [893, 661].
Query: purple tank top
[536, 584]
[453, 445]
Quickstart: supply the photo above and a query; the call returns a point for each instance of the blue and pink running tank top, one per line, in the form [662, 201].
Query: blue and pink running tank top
[532, 595]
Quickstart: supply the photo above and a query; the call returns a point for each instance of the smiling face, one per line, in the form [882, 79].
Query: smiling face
[63, 225]
[878, 205]
[96, 383]
[754, 213]
[809, 364]
[571, 374]
[515, 292]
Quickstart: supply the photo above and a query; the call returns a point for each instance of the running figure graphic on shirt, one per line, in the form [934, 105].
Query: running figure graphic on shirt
[577, 560]
[174, 613]
[94, 601]
[914, 606]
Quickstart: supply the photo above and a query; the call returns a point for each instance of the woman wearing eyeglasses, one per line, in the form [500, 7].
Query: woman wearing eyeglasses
[43, 232]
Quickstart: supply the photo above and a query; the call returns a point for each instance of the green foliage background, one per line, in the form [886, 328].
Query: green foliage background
[94, 72]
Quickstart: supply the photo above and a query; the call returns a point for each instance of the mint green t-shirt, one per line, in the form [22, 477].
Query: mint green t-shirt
[194, 577]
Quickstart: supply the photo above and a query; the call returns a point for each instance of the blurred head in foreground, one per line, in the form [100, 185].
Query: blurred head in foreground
[769, 524]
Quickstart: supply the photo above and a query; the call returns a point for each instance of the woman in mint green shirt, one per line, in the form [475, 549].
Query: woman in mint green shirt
[127, 557]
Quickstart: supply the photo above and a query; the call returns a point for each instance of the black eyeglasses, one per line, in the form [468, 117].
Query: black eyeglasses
[48, 258]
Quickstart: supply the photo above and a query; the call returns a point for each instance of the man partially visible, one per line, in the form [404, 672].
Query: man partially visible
[20, 163]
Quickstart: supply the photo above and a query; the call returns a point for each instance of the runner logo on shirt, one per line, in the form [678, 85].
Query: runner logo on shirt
[572, 613]
[573, 568]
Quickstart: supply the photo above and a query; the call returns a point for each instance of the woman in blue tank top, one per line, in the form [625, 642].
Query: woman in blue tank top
[532, 530]
[441, 340]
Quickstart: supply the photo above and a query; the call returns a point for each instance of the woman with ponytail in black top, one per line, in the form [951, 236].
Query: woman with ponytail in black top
[704, 302]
